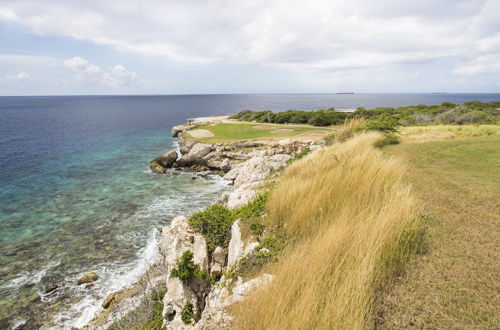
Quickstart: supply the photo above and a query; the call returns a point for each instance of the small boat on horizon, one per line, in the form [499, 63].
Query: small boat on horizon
[342, 93]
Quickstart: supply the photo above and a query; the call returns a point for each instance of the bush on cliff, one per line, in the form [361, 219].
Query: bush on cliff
[214, 223]
[187, 313]
[252, 212]
[187, 270]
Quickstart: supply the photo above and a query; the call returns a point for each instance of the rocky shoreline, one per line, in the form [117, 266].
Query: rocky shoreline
[245, 164]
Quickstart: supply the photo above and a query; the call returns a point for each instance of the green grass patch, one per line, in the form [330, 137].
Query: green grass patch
[229, 132]
[453, 286]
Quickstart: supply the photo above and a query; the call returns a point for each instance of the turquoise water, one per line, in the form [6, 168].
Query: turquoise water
[93, 210]
[76, 194]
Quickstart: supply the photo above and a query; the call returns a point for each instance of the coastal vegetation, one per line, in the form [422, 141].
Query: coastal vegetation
[385, 118]
[187, 270]
[214, 224]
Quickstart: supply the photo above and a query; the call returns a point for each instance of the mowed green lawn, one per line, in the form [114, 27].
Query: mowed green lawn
[456, 285]
[229, 131]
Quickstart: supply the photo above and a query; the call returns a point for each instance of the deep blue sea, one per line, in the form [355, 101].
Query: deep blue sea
[76, 194]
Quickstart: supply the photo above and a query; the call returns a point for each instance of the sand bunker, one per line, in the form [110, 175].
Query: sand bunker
[316, 133]
[282, 131]
[200, 133]
[267, 127]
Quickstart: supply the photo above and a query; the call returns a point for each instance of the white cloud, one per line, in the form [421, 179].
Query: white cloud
[19, 76]
[317, 37]
[489, 64]
[90, 74]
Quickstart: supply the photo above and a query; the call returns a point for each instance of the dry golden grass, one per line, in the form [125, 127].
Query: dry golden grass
[349, 128]
[349, 220]
[421, 134]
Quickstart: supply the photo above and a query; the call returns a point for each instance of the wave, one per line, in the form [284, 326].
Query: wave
[29, 278]
[115, 277]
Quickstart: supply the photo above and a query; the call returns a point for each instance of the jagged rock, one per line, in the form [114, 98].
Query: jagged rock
[178, 129]
[242, 195]
[177, 238]
[199, 150]
[237, 248]
[195, 155]
[159, 164]
[108, 300]
[216, 315]
[169, 158]
[218, 261]
[218, 163]
[156, 167]
[185, 146]
[235, 245]
[256, 169]
[242, 288]
[88, 278]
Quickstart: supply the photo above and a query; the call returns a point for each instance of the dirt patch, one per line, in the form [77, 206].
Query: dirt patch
[317, 133]
[266, 127]
[200, 133]
[282, 131]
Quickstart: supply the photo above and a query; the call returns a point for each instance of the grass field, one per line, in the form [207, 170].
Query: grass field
[347, 213]
[349, 221]
[456, 285]
[235, 131]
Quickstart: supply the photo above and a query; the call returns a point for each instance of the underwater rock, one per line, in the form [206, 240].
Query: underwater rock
[156, 167]
[51, 288]
[108, 300]
[88, 278]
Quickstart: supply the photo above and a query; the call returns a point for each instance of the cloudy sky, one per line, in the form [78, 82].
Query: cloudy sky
[253, 46]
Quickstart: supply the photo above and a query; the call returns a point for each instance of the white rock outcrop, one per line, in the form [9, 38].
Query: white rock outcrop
[237, 249]
[176, 239]
[221, 296]
[218, 261]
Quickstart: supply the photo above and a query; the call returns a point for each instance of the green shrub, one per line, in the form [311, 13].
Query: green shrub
[187, 313]
[269, 249]
[298, 155]
[330, 138]
[187, 270]
[214, 224]
[387, 139]
[252, 212]
[384, 123]
[156, 318]
[384, 119]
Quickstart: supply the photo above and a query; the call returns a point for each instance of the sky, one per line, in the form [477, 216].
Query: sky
[66, 47]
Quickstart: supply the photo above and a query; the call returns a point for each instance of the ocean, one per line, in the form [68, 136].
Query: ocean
[76, 194]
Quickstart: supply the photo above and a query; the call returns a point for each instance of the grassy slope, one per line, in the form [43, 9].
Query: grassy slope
[230, 132]
[456, 285]
[349, 223]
